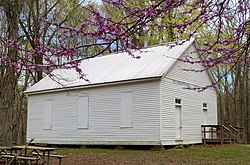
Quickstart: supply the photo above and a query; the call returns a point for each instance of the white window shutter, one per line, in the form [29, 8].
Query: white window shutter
[83, 116]
[47, 114]
[126, 118]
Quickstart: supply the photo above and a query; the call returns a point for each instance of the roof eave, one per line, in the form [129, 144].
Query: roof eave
[209, 72]
[196, 45]
[193, 40]
[158, 77]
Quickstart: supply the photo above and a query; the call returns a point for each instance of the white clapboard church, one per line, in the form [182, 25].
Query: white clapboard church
[127, 101]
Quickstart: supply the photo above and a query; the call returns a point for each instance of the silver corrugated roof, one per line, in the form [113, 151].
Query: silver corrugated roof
[153, 62]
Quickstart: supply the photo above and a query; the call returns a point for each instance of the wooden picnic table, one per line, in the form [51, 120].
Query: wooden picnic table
[41, 152]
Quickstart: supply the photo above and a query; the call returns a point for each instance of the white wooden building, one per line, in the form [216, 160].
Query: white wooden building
[127, 101]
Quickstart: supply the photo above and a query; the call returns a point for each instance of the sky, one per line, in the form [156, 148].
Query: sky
[97, 1]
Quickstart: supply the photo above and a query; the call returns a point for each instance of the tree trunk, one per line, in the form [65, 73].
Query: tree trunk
[11, 9]
[247, 88]
[248, 105]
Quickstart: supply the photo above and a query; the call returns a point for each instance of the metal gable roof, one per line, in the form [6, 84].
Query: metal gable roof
[153, 62]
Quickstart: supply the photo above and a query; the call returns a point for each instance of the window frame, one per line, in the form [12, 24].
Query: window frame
[205, 107]
[178, 102]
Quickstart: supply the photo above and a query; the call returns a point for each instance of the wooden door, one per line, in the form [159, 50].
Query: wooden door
[178, 122]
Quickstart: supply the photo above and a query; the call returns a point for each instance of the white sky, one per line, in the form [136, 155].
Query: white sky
[87, 1]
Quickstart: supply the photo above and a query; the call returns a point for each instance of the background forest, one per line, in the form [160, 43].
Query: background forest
[37, 36]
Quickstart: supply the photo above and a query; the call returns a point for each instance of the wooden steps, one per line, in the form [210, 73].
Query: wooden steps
[215, 134]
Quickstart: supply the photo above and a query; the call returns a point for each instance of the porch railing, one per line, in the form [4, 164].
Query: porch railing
[222, 134]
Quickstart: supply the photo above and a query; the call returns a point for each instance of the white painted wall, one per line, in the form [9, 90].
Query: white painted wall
[192, 103]
[104, 116]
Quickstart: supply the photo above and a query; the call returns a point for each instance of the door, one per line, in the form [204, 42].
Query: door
[205, 122]
[178, 122]
[204, 116]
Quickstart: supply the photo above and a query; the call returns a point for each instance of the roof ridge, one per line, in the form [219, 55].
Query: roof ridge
[151, 46]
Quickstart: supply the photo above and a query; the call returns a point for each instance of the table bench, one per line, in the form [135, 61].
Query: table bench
[4, 150]
[29, 154]
[20, 158]
[59, 157]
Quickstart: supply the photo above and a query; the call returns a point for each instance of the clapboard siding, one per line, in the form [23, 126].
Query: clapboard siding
[177, 73]
[192, 102]
[191, 112]
[104, 116]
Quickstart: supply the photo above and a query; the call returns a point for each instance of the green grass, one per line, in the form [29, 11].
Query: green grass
[198, 154]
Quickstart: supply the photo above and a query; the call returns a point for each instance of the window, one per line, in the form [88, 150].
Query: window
[126, 115]
[205, 114]
[83, 114]
[204, 106]
[178, 102]
[47, 114]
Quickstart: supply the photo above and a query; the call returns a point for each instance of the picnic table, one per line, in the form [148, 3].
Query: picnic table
[29, 153]
[41, 152]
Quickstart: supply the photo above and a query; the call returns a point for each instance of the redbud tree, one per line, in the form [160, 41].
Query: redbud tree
[222, 28]
[198, 14]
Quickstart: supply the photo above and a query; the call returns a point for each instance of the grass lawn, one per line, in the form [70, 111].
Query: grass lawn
[198, 154]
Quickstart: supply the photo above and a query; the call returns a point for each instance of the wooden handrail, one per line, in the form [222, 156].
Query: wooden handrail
[233, 128]
[226, 128]
[236, 133]
[220, 131]
[233, 134]
[236, 127]
[229, 133]
[239, 131]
